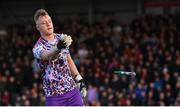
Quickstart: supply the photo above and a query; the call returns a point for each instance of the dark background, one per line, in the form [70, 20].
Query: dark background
[133, 35]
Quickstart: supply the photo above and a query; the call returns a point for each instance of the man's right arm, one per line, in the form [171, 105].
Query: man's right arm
[52, 53]
[43, 54]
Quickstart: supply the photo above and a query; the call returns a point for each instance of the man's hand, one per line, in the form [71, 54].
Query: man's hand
[67, 40]
[81, 85]
[61, 45]
[64, 42]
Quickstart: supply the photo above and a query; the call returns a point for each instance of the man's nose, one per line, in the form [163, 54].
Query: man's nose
[47, 23]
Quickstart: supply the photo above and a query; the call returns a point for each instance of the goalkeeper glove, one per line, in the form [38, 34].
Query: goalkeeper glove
[81, 85]
[64, 42]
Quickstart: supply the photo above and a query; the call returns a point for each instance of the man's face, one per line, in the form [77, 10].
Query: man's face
[44, 25]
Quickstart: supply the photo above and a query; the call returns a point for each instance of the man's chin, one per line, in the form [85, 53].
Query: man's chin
[49, 33]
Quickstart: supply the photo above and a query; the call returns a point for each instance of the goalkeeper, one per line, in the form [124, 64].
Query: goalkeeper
[62, 83]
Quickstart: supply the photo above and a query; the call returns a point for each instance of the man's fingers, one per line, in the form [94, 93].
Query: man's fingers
[68, 40]
[84, 92]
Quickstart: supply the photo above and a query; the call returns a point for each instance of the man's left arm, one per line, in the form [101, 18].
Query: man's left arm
[77, 76]
[72, 66]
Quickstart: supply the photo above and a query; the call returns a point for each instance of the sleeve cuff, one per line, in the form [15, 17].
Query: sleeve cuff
[78, 77]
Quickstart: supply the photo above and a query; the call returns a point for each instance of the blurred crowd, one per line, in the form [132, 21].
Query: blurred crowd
[149, 45]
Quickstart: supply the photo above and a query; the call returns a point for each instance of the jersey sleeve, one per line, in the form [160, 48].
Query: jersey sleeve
[37, 51]
[67, 50]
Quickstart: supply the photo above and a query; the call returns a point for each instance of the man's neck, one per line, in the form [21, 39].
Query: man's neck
[49, 38]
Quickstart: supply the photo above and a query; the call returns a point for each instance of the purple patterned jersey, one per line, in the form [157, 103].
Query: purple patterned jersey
[57, 78]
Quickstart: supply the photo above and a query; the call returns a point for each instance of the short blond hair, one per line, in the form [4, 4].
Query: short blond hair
[38, 13]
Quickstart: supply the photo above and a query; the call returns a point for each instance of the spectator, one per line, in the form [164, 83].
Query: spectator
[149, 45]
